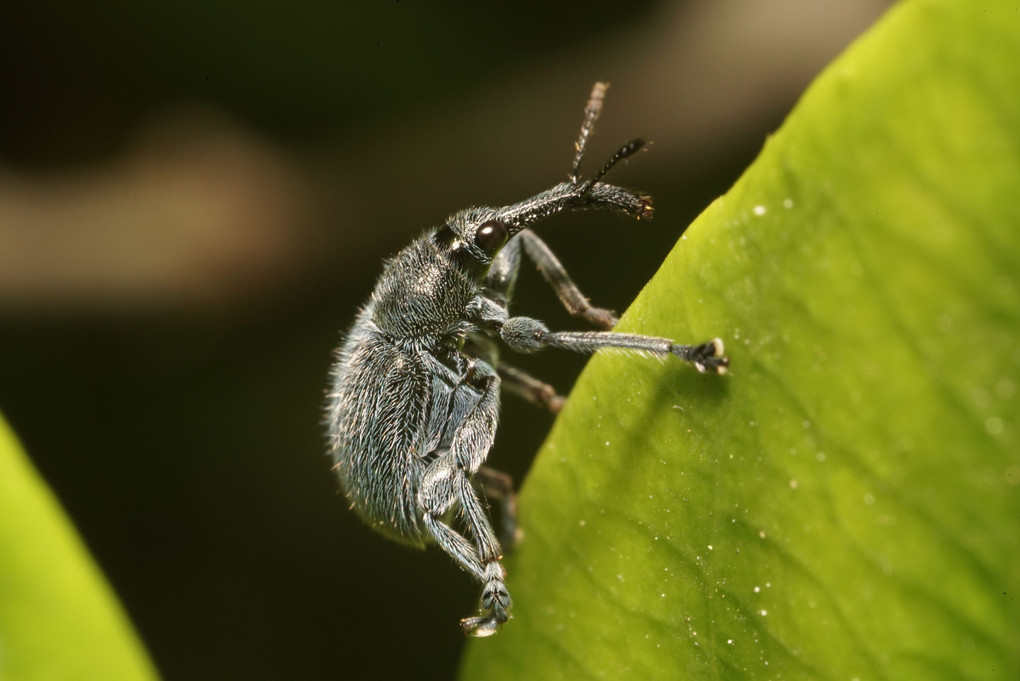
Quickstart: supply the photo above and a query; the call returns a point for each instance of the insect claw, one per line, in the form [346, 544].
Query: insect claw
[480, 627]
[710, 358]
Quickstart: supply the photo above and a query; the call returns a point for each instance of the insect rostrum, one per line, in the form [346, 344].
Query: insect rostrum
[414, 401]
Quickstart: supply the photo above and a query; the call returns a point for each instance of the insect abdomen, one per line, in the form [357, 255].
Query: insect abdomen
[377, 414]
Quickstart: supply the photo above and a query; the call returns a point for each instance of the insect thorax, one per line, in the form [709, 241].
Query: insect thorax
[422, 294]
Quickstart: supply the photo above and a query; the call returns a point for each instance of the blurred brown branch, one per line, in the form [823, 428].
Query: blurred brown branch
[199, 213]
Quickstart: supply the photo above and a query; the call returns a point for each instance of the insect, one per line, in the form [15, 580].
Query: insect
[414, 401]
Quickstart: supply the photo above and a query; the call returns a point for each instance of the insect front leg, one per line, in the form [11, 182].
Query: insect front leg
[575, 302]
[502, 275]
[525, 334]
[497, 290]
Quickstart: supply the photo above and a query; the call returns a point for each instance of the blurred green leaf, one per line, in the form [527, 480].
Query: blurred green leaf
[58, 618]
[846, 504]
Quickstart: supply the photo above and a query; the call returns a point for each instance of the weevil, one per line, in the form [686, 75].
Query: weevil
[415, 386]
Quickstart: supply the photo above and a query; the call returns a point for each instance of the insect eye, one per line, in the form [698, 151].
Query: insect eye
[491, 236]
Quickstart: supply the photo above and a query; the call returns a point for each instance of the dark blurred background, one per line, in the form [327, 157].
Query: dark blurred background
[196, 196]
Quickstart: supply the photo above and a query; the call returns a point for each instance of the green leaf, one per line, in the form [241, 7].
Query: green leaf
[58, 618]
[845, 504]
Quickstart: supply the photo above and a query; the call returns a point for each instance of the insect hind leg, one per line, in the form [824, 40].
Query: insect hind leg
[447, 485]
[495, 599]
[450, 541]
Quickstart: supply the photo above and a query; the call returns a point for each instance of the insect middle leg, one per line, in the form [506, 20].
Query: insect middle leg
[499, 486]
[528, 387]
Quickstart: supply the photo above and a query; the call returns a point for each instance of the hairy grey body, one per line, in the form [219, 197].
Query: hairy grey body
[413, 406]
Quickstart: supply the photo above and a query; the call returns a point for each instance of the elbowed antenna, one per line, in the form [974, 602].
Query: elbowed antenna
[626, 151]
[591, 114]
[592, 111]
[579, 193]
